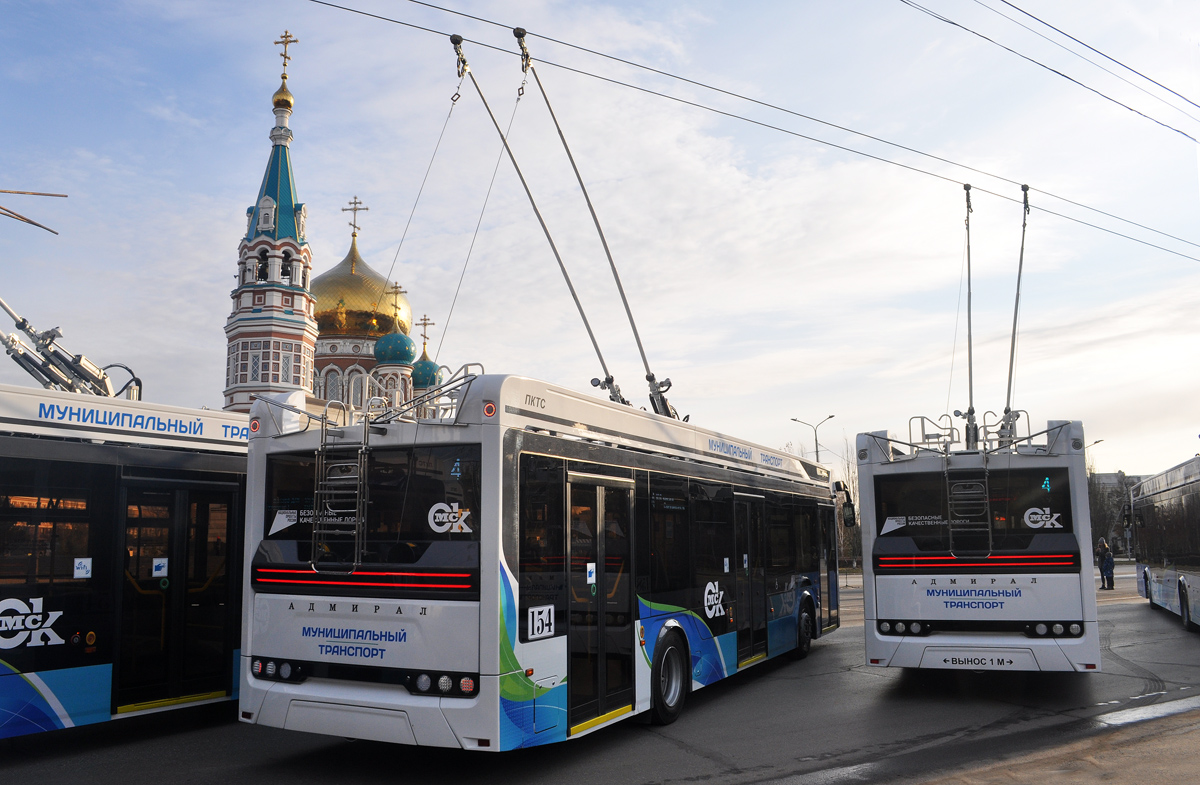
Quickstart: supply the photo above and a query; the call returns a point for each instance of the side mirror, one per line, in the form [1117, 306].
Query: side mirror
[839, 487]
[848, 517]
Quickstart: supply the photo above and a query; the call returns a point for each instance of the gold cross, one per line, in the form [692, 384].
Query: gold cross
[396, 291]
[354, 207]
[424, 324]
[288, 38]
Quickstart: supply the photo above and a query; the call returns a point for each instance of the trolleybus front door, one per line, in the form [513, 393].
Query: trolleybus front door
[829, 557]
[751, 579]
[176, 643]
[600, 632]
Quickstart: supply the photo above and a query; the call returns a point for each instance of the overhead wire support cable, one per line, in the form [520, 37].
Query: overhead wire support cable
[614, 392]
[1097, 51]
[844, 148]
[658, 400]
[949, 21]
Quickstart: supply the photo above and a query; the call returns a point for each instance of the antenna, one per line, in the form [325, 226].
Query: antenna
[971, 434]
[658, 400]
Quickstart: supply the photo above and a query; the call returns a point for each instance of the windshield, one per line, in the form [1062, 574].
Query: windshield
[423, 511]
[1020, 504]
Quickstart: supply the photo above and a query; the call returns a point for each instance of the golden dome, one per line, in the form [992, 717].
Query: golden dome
[283, 98]
[353, 299]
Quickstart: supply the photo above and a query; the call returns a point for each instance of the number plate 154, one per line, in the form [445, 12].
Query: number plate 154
[541, 622]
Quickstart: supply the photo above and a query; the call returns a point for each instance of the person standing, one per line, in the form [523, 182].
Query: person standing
[1106, 565]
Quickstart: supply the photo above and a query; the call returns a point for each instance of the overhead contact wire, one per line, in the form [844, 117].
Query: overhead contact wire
[817, 140]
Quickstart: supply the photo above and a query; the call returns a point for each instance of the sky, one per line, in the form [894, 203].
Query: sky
[771, 276]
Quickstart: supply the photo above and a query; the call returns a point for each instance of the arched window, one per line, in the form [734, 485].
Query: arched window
[333, 386]
[356, 390]
[285, 271]
[263, 267]
[266, 214]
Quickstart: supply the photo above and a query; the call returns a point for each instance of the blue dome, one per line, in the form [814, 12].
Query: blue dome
[395, 349]
[426, 373]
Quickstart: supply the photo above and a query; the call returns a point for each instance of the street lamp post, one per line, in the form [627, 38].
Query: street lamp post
[816, 444]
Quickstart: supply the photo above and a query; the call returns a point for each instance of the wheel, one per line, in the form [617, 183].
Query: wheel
[668, 679]
[804, 633]
[1149, 593]
[1184, 610]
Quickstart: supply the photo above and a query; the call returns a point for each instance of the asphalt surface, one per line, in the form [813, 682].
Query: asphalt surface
[826, 719]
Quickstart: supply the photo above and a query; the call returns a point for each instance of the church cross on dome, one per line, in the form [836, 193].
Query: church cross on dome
[287, 39]
[424, 323]
[355, 206]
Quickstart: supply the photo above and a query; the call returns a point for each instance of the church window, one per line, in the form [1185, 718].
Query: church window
[287, 301]
[256, 344]
[266, 214]
[263, 266]
[243, 370]
[287, 347]
[333, 347]
[275, 345]
[285, 270]
[254, 368]
[286, 370]
[333, 386]
[274, 377]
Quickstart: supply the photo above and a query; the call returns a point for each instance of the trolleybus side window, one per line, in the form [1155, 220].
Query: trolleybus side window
[542, 565]
[805, 517]
[712, 527]
[669, 557]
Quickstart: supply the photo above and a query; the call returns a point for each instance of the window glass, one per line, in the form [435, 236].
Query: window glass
[542, 564]
[424, 509]
[712, 530]
[670, 558]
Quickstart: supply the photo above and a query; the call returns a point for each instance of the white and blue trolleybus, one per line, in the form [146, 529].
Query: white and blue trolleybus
[120, 557]
[979, 558]
[504, 563]
[1166, 537]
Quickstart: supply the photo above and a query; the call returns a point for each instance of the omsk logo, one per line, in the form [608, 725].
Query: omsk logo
[712, 600]
[444, 518]
[1041, 517]
[20, 623]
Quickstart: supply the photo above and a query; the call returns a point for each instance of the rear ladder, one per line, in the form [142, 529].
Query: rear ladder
[342, 494]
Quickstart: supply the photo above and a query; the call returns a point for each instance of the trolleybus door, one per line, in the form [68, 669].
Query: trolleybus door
[175, 641]
[829, 610]
[600, 628]
[751, 580]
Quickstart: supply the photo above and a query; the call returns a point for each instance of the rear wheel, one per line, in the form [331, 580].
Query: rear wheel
[1149, 593]
[1185, 610]
[668, 679]
[804, 633]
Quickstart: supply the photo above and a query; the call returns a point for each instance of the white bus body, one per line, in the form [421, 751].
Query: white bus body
[524, 569]
[980, 559]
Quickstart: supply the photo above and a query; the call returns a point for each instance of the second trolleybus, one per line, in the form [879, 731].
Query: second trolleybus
[1166, 536]
[977, 559]
[120, 557]
[523, 567]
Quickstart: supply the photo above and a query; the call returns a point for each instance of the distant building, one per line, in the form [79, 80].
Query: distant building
[342, 335]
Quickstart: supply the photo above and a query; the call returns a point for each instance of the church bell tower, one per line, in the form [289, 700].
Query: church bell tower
[272, 328]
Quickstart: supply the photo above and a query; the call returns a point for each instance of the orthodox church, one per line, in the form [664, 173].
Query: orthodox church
[342, 335]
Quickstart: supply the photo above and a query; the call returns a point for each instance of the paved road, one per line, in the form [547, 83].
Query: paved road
[825, 719]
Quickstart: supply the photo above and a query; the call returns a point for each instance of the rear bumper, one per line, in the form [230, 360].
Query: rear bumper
[379, 712]
[985, 651]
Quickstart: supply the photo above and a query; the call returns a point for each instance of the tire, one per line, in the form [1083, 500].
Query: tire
[1149, 593]
[804, 632]
[1185, 612]
[668, 679]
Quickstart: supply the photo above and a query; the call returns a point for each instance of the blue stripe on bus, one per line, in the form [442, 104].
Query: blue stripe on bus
[53, 699]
